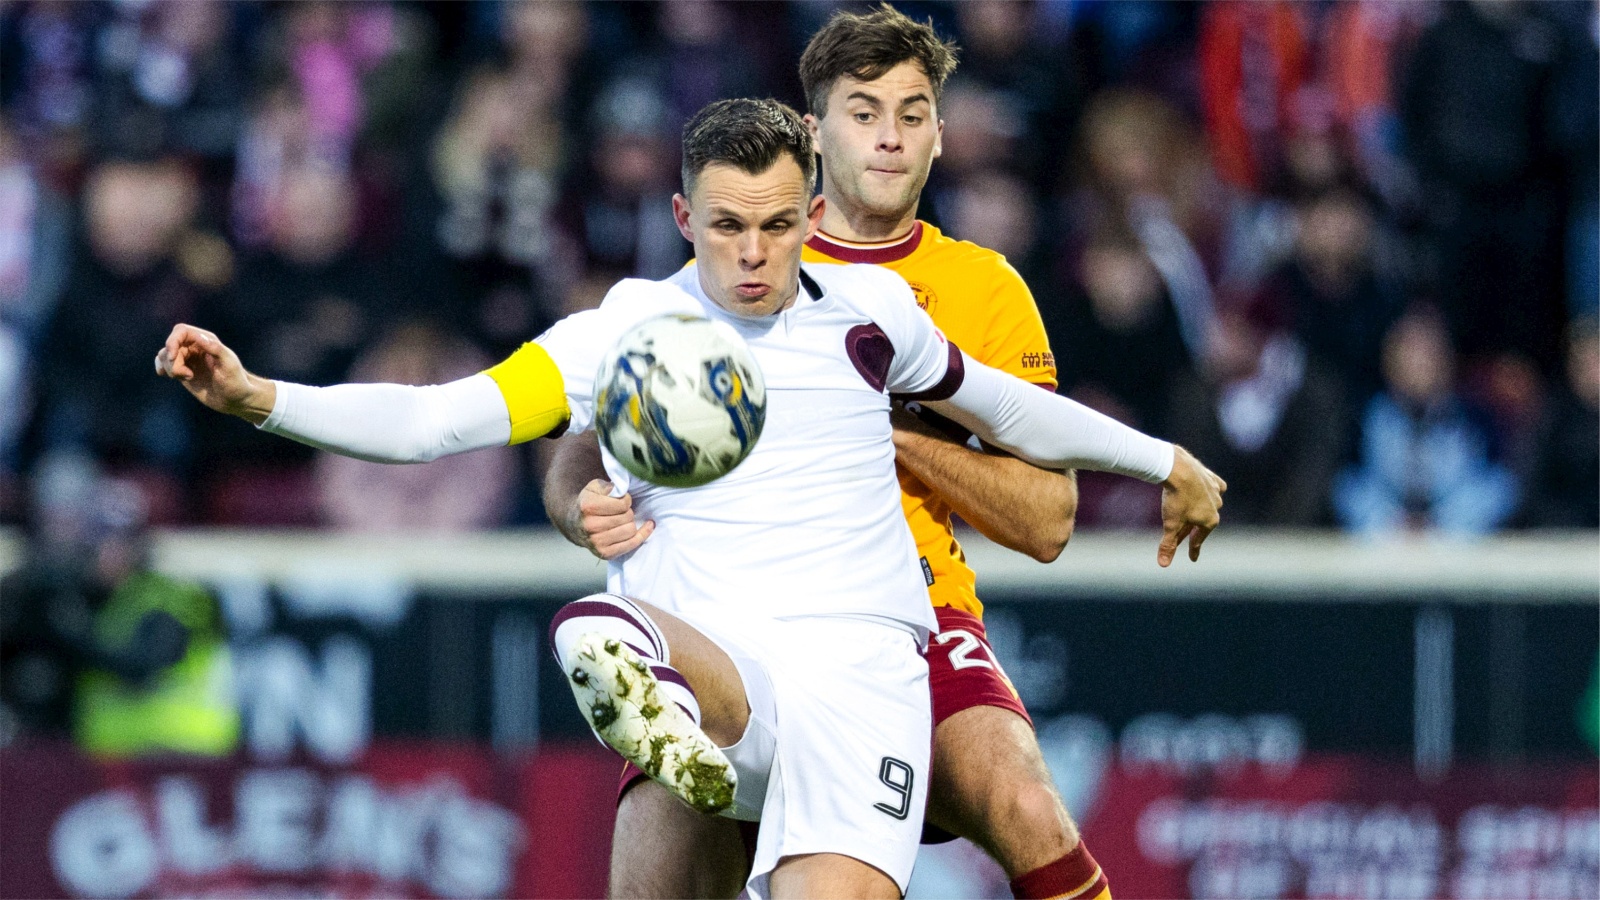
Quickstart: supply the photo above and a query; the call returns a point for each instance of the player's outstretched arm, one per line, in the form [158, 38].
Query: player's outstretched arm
[1057, 433]
[1013, 503]
[389, 423]
[577, 497]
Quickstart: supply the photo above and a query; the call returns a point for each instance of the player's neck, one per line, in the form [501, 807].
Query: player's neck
[861, 227]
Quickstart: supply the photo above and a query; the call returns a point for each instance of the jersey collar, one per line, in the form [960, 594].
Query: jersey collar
[809, 285]
[879, 253]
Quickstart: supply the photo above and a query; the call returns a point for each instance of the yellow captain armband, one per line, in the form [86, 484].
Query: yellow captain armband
[534, 392]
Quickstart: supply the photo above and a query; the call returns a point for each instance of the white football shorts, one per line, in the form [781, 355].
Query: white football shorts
[835, 758]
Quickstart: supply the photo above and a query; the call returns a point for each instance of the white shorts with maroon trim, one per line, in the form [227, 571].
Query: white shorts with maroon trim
[835, 758]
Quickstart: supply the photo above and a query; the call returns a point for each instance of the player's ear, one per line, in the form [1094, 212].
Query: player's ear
[680, 214]
[812, 124]
[938, 140]
[814, 215]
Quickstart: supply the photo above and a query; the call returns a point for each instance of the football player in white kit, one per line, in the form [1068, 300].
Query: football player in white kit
[772, 669]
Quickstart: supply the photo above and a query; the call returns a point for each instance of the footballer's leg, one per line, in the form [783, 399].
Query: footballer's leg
[661, 849]
[990, 783]
[991, 786]
[646, 681]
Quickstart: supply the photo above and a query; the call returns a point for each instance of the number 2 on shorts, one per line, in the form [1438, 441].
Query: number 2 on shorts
[961, 657]
[900, 777]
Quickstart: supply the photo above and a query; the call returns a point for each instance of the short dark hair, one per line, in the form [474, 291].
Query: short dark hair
[867, 45]
[750, 135]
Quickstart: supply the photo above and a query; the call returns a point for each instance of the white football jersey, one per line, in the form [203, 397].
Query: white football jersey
[810, 523]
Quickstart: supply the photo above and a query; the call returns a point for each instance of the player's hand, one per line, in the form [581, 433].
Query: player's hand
[213, 374]
[1191, 504]
[607, 522]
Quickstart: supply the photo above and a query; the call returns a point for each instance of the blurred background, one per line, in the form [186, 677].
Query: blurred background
[1345, 251]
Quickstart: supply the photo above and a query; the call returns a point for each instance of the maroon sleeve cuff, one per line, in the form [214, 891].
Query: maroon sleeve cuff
[955, 371]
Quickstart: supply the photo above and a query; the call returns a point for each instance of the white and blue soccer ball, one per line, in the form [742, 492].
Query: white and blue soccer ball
[679, 400]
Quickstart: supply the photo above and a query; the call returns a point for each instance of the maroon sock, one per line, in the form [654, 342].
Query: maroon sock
[1073, 876]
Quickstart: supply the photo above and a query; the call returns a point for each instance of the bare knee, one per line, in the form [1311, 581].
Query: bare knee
[1020, 822]
[1033, 810]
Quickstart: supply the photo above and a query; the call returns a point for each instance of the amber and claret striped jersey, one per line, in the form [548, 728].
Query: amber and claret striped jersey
[984, 307]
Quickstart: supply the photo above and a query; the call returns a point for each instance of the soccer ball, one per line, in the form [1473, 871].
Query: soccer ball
[679, 400]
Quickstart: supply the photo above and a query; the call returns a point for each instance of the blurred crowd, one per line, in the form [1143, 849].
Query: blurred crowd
[1346, 252]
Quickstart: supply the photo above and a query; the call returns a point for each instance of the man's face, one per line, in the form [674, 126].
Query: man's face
[747, 232]
[878, 140]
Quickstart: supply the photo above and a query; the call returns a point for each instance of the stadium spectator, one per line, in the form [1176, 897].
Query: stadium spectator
[1362, 47]
[35, 236]
[1255, 59]
[545, 41]
[145, 269]
[358, 67]
[470, 491]
[169, 79]
[343, 87]
[1331, 293]
[1115, 334]
[620, 203]
[306, 306]
[496, 167]
[309, 303]
[1471, 106]
[1261, 227]
[1007, 50]
[1264, 410]
[548, 50]
[984, 128]
[690, 61]
[1147, 174]
[1298, 101]
[276, 138]
[995, 209]
[1574, 125]
[96, 643]
[47, 63]
[1565, 467]
[1425, 460]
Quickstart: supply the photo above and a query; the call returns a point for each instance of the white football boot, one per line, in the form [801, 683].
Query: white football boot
[620, 698]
